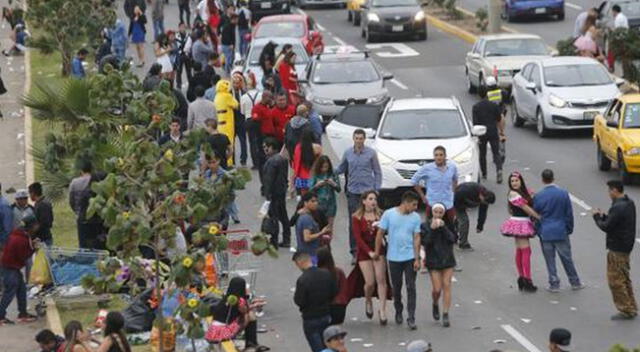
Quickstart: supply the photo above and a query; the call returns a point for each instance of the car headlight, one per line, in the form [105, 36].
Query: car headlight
[633, 151]
[373, 17]
[419, 16]
[384, 160]
[377, 99]
[557, 102]
[322, 101]
[464, 157]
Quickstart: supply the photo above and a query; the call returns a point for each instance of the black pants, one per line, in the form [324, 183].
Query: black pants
[462, 220]
[338, 311]
[495, 150]
[241, 133]
[396, 271]
[255, 145]
[251, 334]
[353, 203]
[278, 210]
[184, 9]
[183, 63]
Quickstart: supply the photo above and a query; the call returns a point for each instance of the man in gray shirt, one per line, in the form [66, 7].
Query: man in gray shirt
[157, 15]
[201, 49]
[77, 190]
[361, 165]
[200, 110]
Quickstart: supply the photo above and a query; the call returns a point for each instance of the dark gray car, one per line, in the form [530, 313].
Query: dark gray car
[334, 81]
[386, 18]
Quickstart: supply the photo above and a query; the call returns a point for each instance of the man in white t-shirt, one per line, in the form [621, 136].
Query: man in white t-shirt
[619, 19]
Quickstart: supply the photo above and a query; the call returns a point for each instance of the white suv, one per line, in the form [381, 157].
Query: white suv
[405, 132]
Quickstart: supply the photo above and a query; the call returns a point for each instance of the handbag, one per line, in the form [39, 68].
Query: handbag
[269, 226]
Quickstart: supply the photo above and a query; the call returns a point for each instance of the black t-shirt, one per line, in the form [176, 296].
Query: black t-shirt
[487, 114]
[227, 32]
[219, 143]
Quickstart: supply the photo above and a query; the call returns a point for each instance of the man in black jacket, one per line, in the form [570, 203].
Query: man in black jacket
[44, 213]
[487, 113]
[620, 227]
[274, 188]
[315, 290]
[470, 195]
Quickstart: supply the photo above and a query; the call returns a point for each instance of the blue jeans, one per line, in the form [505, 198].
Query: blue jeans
[353, 203]
[227, 50]
[313, 329]
[14, 286]
[563, 248]
[244, 43]
[158, 27]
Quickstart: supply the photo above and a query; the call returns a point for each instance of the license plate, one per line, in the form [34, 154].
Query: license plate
[541, 10]
[590, 115]
[265, 5]
[397, 28]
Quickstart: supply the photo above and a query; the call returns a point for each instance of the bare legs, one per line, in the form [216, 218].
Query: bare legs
[140, 51]
[441, 286]
[375, 272]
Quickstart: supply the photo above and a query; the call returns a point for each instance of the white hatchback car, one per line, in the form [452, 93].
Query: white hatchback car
[404, 133]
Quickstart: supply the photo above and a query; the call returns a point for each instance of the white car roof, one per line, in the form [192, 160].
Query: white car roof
[567, 60]
[423, 103]
[509, 36]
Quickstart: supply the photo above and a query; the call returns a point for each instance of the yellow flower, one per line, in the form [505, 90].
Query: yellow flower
[214, 229]
[126, 215]
[120, 162]
[168, 155]
[192, 303]
[127, 127]
[187, 262]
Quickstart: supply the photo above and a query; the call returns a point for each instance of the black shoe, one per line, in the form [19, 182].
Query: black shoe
[445, 320]
[484, 176]
[436, 312]
[466, 247]
[499, 177]
[383, 322]
[399, 318]
[411, 324]
[521, 283]
[284, 245]
[623, 316]
[529, 286]
[368, 310]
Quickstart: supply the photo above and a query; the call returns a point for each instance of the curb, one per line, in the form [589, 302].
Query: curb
[452, 29]
[53, 317]
[28, 133]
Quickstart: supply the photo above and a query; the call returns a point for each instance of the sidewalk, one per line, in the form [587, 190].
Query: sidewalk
[18, 338]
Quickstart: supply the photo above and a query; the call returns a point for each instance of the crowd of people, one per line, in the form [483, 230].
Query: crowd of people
[281, 133]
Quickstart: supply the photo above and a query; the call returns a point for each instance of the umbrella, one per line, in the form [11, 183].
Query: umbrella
[585, 43]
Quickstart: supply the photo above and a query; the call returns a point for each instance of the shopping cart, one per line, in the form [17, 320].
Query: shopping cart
[67, 267]
[238, 260]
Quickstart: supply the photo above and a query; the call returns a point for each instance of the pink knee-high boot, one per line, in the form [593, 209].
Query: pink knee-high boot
[519, 262]
[526, 262]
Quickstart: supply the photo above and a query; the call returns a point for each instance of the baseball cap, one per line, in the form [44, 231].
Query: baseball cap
[21, 193]
[562, 338]
[419, 346]
[332, 332]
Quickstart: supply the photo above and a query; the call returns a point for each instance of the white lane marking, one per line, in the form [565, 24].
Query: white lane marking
[572, 6]
[580, 202]
[320, 27]
[328, 49]
[340, 41]
[399, 84]
[401, 50]
[638, 240]
[520, 338]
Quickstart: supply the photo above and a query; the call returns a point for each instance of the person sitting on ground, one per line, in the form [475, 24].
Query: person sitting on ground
[19, 37]
[115, 339]
[48, 341]
[77, 68]
[77, 339]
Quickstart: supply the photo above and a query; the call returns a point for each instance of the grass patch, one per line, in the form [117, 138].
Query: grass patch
[87, 313]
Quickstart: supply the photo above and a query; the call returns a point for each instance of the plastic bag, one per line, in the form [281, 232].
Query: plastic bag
[139, 316]
[40, 274]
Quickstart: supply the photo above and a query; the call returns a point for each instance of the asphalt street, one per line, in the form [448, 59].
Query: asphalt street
[488, 310]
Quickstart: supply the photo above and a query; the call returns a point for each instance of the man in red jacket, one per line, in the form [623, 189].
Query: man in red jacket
[18, 249]
[282, 113]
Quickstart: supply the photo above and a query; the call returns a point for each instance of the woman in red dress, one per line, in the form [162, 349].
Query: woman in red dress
[289, 77]
[213, 22]
[371, 264]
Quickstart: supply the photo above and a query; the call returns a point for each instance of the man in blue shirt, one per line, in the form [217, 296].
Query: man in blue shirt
[554, 206]
[6, 219]
[308, 233]
[402, 226]
[440, 180]
[361, 165]
[77, 70]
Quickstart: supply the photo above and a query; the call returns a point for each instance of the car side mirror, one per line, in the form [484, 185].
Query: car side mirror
[387, 76]
[478, 130]
[612, 124]
[532, 87]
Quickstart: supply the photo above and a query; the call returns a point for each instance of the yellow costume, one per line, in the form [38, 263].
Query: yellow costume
[225, 103]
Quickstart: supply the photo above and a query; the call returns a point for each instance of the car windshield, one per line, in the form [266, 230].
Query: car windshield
[280, 29]
[514, 47]
[301, 54]
[422, 124]
[576, 75]
[344, 72]
[392, 3]
[632, 116]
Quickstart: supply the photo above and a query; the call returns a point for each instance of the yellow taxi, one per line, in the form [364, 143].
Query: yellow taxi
[617, 136]
[353, 11]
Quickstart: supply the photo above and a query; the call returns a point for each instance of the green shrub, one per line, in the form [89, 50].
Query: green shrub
[482, 19]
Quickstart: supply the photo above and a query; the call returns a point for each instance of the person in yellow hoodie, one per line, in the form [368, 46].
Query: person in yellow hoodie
[225, 103]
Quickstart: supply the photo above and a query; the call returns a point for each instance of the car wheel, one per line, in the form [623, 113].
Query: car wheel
[368, 36]
[481, 86]
[625, 176]
[356, 18]
[543, 131]
[561, 16]
[516, 119]
[349, 16]
[422, 36]
[470, 87]
[604, 164]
